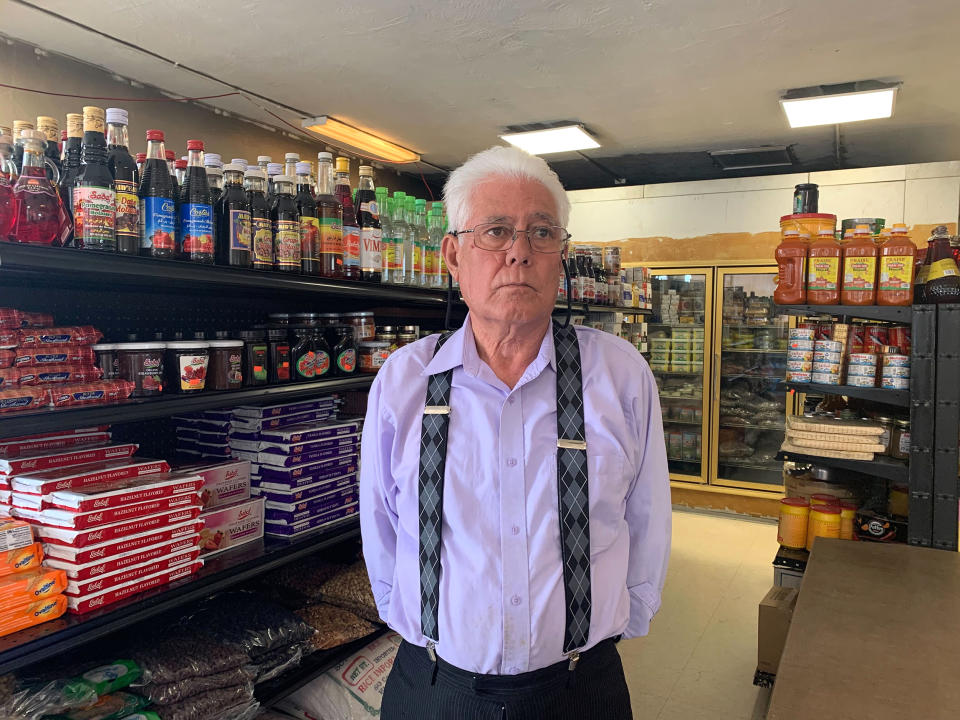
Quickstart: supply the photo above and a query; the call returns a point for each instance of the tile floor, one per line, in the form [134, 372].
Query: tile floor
[698, 661]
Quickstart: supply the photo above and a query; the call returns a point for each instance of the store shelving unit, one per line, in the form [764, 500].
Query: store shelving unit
[947, 405]
[880, 466]
[900, 398]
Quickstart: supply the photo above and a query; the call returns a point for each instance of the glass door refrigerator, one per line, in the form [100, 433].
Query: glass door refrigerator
[680, 339]
[749, 398]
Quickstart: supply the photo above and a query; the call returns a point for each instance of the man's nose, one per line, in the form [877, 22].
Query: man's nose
[521, 251]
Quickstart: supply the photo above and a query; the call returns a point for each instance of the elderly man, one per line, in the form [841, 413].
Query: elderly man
[514, 496]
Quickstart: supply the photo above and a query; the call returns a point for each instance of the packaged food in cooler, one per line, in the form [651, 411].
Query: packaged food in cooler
[734, 449]
[69, 458]
[73, 335]
[795, 366]
[21, 560]
[869, 371]
[827, 368]
[86, 603]
[9, 319]
[823, 356]
[117, 549]
[862, 359]
[101, 392]
[24, 616]
[104, 563]
[829, 346]
[58, 374]
[7, 358]
[52, 355]
[862, 380]
[45, 482]
[895, 383]
[801, 333]
[24, 398]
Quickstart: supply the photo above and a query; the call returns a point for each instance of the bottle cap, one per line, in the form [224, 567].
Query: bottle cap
[20, 125]
[93, 118]
[240, 161]
[304, 168]
[6, 130]
[256, 173]
[343, 164]
[421, 204]
[32, 135]
[399, 194]
[324, 157]
[264, 159]
[862, 230]
[366, 171]
[899, 227]
[74, 125]
[791, 233]
[825, 232]
[233, 167]
[277, 179]
[213, 156]
[49, 127]
[117, 116]
[194, 144]
[180, 165]
[156, 135]
[171, 155]
[214, 170]
[5, 139]
[274, 169]
[380, 190]
[63, 135]
[141, 157]
[291, 156]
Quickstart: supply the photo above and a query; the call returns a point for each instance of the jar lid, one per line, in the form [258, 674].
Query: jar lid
[309, 316]
[809, 216]
[387, 329]
[360, 313]
[277, 333]
[826, 509]
[903, 423]
[279, 316]
[407, 335]
[132, 347]
[410, 328]
[795, 501]
[188, 345]
[374, 344]
[327, 316]
[883, 419]
[225, 343]
[105, 346]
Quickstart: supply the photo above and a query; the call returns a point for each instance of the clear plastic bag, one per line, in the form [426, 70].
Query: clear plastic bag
[46, 699]
[183, 653]
[335, 626]
[276, 662]
[350, 589]
[174, 692]
[108, 707]
[216, 704]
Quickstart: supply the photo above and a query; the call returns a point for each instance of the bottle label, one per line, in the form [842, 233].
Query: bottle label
[322, 364]
[94, 215]
[196, 228]
[823, 273]
[261, 233]
[896, 272]
[306, 364]
[193, 371]
[904, 445]
[309, 238]
[941, 268]
[430, 265]
[128, 209]
[859, 273]
[351, 246]
[240, 230]
[158, 216]
[286, 244]
[347, 360]
[589, 289]
[282, 360]
[417, 258]
[392, 254]
[370, 207]
[371, 249]
[331, 238]
[258, 358]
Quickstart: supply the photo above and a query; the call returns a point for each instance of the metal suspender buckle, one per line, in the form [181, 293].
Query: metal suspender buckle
[574, 656]
[436, 410]
[565, 444]
[431, 650]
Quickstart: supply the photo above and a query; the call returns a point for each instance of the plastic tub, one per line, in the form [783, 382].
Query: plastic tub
[186, 366]
[142, 364]
[226, 365]
[809, 223]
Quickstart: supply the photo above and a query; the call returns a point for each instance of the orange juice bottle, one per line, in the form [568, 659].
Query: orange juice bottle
[823, 265]
[895, 276]
[859, 269]
[791, 257]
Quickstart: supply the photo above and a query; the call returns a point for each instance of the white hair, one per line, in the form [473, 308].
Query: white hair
[499, 161]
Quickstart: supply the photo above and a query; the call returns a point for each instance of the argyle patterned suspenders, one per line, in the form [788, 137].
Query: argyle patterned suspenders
[572, 493]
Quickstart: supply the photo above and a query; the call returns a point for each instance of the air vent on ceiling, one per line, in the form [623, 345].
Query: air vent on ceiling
[752, 158]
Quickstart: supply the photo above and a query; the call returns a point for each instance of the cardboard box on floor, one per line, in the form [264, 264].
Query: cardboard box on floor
[776, 611]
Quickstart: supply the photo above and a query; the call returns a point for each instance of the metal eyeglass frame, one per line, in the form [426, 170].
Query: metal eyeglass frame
[563, 246]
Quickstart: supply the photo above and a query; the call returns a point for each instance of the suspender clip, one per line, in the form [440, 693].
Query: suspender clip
[574, 660]
[436, 410]
[432, 651]
[565, 444]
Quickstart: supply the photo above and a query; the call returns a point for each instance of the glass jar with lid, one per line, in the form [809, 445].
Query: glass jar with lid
[387, 334]
[305, 319]
[887, 437]
[255, 362]
[363, 324]
[328, 319]
[278, 343]
[406, 336]
[372, 354]
[344, 353]
[900, 442]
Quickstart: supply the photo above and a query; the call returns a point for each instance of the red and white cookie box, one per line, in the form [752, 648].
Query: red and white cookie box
[97, 518]
[232, 525]
[43, 445]
[93, 536]
[115, 563]
[223, 483]
[46, 482]
[70, 458]
[112, 549]
[126, 492]
[94, 601]
[87, 586]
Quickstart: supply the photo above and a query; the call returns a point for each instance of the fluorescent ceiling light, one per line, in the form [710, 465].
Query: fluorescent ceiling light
[833, 109]
[360, 140]
[552, 140]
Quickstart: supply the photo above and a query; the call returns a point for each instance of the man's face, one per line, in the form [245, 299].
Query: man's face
[516, 285]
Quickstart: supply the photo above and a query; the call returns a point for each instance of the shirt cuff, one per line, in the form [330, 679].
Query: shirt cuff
[644, 603]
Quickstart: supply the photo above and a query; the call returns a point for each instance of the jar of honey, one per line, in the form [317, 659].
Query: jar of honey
[824, 522]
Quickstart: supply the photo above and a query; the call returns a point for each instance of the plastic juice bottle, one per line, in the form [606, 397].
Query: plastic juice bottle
[94, 201]
[435, 231]
[371, 233]
[392, 242]
[351, 231]
[286, 226]
[196, 209]
[261, 228]
[895, 276]
[943, 276]
[791, 255]
[309, 222]
[823, 267]
[330, 213]
[123, 168]
[8, 177]
[39, 219]
[401, 229]
[859, 269]
[158, 208]
[233, 220]
[419, 247]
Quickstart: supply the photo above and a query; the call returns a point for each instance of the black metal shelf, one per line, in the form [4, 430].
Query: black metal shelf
[30, 423]
[311, 667]
[579, 307]
[894, 314]
[218, 573]
[880, 466]
[900, 398]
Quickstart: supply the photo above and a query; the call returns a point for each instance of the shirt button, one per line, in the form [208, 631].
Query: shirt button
[515, 529]
[511, 462]
[515, 599]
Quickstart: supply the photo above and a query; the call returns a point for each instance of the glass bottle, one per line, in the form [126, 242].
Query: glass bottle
[141, 159]
[40, 219]
[435, 232]
[158, 208]
[233, 221]
[214, 180]
[920, 279]
[196, 209]
[264, 162]
[330, 214]
[351, 231]
[344, 352]
[51, 131]
[371, 234]
[18, 127]
[242, 162]
[602, 292]
[8, 178]
[309, 222]
[391, 243]
[410, 211]
[94, 202]
[286, 226]
[576, 280]
[63, 141]
[290, 161]
[273, 169]
[123, 169]
[303, 353]
[180, 171]
[442, 224]
[71, 165]
[423, 241]
[171, 157]
[261, 229]
[401, 232]
[943, 277]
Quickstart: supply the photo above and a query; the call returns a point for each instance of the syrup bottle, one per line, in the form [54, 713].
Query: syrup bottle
[94, 201]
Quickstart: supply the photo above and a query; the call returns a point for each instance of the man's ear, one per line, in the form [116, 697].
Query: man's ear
[451, 255]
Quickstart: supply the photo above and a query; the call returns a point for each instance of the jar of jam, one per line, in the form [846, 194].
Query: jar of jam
[372, 355]
[226, 365]
[900, 442]
[323, 364]
[345, 350]
[185, 366]
[387, 334]
[305, 319]
[142, 364]
[303, 353]
[278, 344]
[363, 324]
[108, 360]
[254, 370]
[406, 339]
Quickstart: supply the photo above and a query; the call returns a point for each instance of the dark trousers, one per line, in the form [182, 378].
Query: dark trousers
[596, 689]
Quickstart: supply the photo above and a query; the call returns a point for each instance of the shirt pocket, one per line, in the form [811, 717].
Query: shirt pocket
[607, 486]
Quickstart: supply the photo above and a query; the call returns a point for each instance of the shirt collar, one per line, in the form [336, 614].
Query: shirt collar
[461, 350]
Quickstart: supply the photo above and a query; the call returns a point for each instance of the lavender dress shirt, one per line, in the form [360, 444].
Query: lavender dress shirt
[502, 604]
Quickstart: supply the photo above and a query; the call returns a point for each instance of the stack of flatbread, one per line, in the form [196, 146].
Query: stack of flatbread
[827, 437]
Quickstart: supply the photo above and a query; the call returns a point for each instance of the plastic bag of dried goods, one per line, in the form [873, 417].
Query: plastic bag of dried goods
[183, 652]
[221, 703]
[174, 692]
[335, 626]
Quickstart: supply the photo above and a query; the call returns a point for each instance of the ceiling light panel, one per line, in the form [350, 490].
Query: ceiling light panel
[840, 108]
[552, 140]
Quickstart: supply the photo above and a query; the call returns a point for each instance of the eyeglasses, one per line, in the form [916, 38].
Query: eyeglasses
[498, 237]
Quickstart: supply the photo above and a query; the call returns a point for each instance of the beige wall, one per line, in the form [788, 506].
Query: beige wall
[738, 220]
[20, 65]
